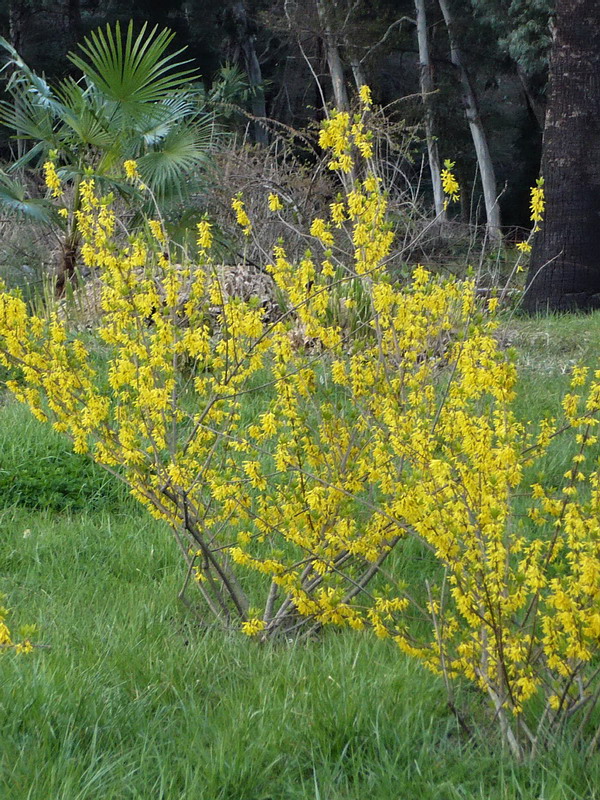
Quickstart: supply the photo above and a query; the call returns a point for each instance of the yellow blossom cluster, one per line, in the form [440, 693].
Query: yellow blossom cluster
[242, 218]
[537, 207]
[52, 179]
[450, 185]
[205, 237]
[538, 202]
[347, 136]
[6, 638]
[131, 170]
[274, 202]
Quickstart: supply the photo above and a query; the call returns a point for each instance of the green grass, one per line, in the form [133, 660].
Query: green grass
[132, 699]
[39, 470]
[547, 350]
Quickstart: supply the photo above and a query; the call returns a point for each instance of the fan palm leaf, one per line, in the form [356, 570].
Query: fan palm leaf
[132, 72]
[182, 150]
[24, 80]
[27, 118]
[14, 201]
[84, 119]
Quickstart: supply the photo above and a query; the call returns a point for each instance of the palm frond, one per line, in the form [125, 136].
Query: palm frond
[23, 80]
[163, 117]
[27, 119]
[132, 71]
[38, 152]
[84, 116]
[14, 202]
[164, 167]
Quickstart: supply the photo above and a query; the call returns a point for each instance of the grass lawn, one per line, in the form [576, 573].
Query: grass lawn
[133, 700]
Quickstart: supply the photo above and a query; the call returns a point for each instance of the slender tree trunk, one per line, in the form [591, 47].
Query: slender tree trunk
[427, 88]
[536, 109]
[334, 61]
[66, 273]
[67, 266]
[564, 272]
[245, 44]
[482, 151]
[256, 82]
[360, 78]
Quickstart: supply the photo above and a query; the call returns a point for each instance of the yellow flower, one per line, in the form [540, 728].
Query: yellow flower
[538, 202]
[253, 626]
[275, 203]
[524, 247]
[344, 163]
[449, 183]
[243, 220]
[52, 180]
[157, 230]
[365, 95]
[131, 169]
[338, 213]
[319, 230]
[205, 238]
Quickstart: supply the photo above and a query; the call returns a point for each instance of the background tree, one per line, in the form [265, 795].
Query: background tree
[427, 88]
[564, 271]
[476, 127]
[242, 51]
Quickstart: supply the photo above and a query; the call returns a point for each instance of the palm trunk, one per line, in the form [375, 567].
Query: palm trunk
[482, 151]
[427, 88]
[66, 273]
[565, 271]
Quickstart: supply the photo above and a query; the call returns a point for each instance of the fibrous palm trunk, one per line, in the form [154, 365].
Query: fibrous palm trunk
[565, 266]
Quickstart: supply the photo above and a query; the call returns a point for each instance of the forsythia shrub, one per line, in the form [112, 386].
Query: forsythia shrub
[360, 446]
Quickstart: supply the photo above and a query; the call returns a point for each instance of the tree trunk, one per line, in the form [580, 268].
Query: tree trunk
[427, 88]
[246, 53]
[564, 272]
[482, 151]
[535, 108]
[360, 78]
[67, 266]
[334, 61]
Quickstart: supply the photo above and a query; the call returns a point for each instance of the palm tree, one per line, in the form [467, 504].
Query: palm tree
[134, 100]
